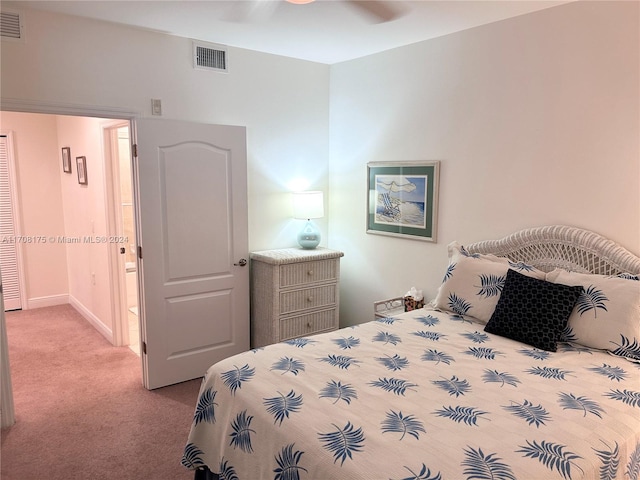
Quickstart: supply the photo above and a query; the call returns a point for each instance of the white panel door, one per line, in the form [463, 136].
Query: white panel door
[191, 184]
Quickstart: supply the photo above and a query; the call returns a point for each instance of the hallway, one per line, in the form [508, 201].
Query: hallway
[81, 409]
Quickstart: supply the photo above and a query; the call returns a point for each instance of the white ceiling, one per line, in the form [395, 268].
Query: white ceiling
[325, 31]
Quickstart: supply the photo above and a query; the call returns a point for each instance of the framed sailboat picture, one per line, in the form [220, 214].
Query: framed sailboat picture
[403, 199]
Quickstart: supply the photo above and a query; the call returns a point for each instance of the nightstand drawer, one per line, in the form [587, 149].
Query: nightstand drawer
[308, 272]
[296, 300]
[309, 324]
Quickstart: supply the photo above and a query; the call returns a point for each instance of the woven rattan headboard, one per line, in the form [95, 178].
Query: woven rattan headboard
[560, 246]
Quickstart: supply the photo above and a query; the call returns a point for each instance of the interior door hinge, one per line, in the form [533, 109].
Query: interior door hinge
[144, 348]
[134, 150]
[139, 251]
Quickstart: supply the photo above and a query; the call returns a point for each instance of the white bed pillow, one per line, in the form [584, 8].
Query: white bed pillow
[473, 282]
[607, 314]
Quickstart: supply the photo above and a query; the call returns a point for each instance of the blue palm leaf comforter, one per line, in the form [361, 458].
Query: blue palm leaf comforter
[424, 395]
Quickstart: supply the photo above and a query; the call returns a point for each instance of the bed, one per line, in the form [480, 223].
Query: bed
[526, 365]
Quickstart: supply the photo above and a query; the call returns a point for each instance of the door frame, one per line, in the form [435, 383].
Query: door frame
[7, 410]
[117, 270]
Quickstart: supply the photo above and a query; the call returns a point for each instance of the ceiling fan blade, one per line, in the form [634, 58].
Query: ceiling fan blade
[377, 11]
[241, 11]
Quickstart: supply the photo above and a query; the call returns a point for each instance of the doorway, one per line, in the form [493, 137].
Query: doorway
[39, 163]
[121, 210]
[72, 219]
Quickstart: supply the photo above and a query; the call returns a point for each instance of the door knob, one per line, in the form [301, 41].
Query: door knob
[241, 263]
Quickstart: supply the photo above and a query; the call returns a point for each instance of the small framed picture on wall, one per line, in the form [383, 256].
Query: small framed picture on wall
[66, 159]
[81, 165]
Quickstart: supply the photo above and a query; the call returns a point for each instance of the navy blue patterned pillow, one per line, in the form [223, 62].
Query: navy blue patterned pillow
[533, 311]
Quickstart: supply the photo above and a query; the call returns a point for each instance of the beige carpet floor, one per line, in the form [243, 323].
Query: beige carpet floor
[81, 409]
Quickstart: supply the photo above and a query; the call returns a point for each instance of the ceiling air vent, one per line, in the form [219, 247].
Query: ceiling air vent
[11, 25]
[208, 56]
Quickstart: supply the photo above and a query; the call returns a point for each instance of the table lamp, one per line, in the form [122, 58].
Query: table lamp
[308, 205]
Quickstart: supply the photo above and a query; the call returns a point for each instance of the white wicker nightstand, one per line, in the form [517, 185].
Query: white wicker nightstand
[294, 293]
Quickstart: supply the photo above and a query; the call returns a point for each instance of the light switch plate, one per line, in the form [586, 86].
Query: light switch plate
[156, 106]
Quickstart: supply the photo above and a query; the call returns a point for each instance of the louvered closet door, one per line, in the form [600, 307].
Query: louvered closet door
[8, 252]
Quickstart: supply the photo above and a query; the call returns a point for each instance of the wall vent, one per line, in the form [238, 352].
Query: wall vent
[11, 25]
[208, 56]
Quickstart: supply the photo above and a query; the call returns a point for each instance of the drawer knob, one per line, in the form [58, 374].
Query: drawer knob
[309, 324]
[310, 272]
[309, 298]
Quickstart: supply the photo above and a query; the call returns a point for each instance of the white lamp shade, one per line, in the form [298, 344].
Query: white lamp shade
[308, 205]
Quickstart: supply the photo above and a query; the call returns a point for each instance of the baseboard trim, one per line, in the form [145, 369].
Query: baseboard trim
[92, 319]
[50, 301]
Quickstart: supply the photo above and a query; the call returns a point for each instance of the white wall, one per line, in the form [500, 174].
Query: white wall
[85, 218]
[38, 171]
[535, 120]
[284, 103]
